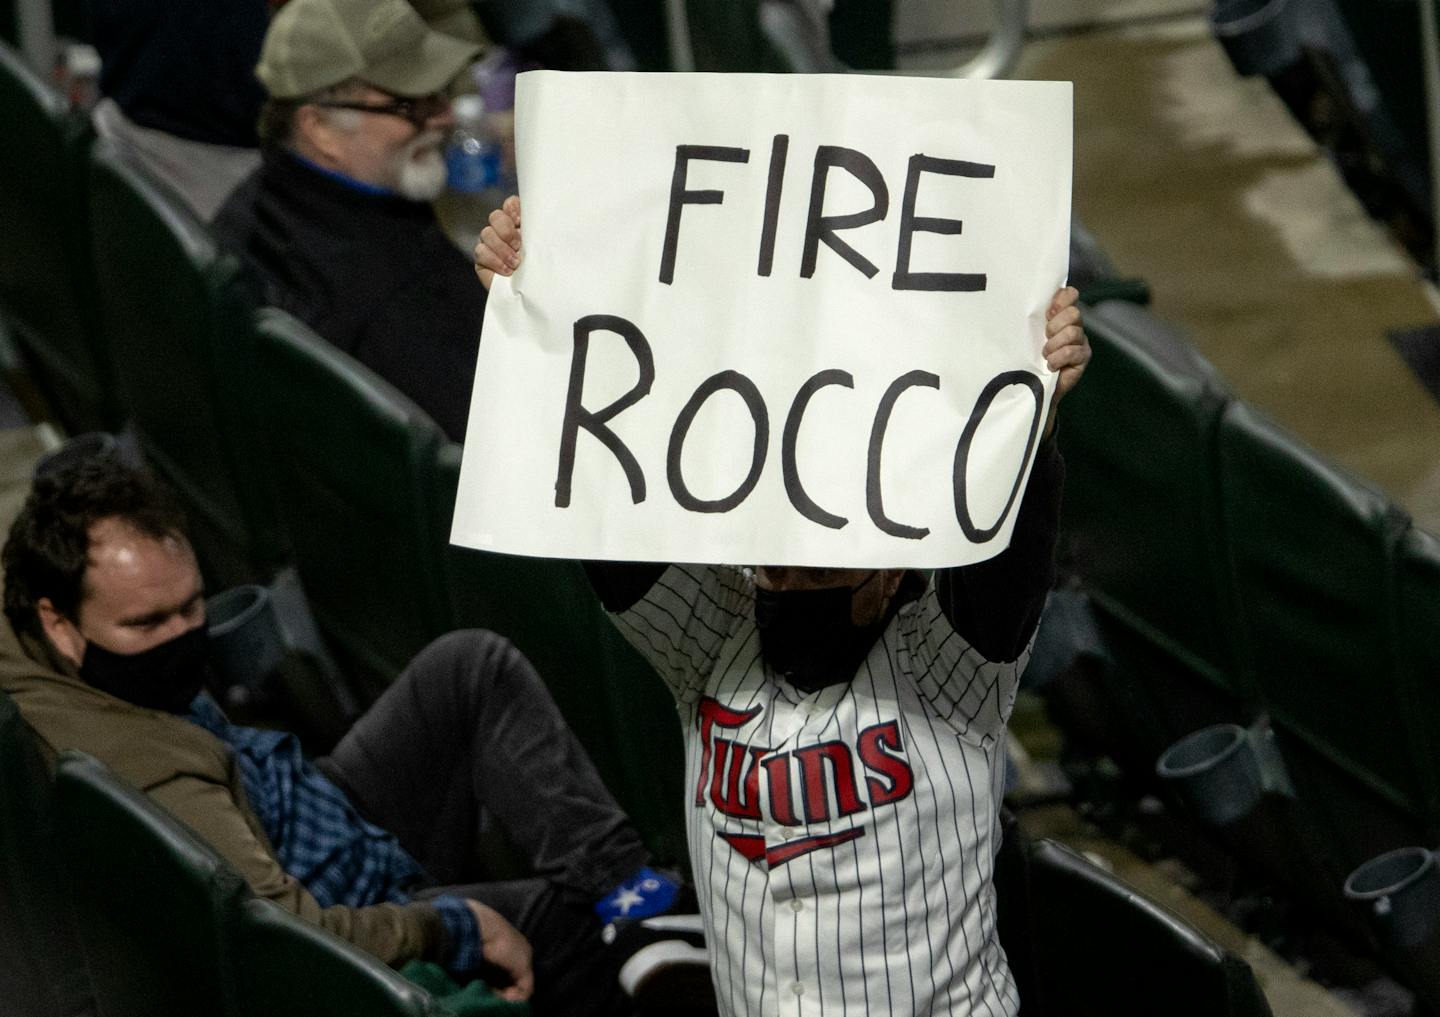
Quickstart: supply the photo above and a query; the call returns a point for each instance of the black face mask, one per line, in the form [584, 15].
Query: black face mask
[807, 635]
[164, 677]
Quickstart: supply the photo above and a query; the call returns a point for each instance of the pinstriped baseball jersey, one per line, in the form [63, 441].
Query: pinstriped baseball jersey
[842, 840]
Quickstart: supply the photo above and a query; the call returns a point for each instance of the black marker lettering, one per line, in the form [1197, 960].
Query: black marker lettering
[873, 501]
[822, 228]
[778, 150]
[679, 196]
[962, 451]
[910, 224]
[746, 390]
[802, 501]
[576, 416]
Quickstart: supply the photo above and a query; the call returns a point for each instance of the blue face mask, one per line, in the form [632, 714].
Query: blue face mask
[165, 677]
[807, 635]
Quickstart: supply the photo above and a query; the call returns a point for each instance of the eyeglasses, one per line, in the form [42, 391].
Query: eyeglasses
[418, 111]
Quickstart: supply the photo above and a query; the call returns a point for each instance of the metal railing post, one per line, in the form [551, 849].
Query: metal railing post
[1002, 52]
[36, 31]
[1430, 49]
[677, 28]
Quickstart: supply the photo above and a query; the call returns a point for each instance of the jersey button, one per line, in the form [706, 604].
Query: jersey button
[798, 989]
[797, 906]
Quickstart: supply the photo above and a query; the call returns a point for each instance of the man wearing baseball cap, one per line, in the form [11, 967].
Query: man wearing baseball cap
[335, 226]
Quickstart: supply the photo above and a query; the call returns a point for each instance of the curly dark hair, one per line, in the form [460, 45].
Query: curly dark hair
[46, 552]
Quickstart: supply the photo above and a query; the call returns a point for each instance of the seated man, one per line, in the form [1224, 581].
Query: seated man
[179, 87]
[335, 226]
[103, 592]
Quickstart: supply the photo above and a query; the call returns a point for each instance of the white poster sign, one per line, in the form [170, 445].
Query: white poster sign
[778, 319]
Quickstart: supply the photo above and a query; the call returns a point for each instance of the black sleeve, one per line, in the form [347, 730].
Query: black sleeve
[621, 584]
[996, 604]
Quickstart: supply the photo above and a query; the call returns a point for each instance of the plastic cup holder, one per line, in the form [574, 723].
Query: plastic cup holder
[246, 643]
[1256, 35]
[1402, 891]
[1216, 772]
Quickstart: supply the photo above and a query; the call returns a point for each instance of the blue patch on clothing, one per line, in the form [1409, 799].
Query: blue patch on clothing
[643, 895]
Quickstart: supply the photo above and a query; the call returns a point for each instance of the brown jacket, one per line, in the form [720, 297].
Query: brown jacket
[192, 774]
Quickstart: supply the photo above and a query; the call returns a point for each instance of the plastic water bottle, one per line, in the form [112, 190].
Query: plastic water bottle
[494, 76]
[472, 159]
[472, 166]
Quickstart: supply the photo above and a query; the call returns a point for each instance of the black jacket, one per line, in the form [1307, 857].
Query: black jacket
[372, 273]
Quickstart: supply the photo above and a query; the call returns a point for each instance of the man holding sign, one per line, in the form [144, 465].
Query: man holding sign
[843, 713]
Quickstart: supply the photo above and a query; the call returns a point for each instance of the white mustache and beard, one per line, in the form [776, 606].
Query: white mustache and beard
[419, 167]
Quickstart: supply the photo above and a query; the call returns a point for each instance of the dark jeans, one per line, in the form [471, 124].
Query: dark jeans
[467, 737]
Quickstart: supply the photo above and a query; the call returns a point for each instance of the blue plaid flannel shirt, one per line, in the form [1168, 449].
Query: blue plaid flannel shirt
[321, 840]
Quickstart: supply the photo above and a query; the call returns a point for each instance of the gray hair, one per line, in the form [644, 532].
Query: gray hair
[278, 116]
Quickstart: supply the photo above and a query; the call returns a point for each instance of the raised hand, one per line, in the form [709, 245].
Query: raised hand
[498, 252]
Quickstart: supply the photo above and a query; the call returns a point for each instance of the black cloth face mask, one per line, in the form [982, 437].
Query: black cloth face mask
[807, 635]
[164, 677]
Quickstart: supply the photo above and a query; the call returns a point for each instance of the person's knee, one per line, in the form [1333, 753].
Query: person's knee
[465, 646]
[471, 662]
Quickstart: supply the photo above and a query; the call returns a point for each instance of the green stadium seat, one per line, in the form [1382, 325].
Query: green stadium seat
[287, 967]
[47, 293]
[1101, 949]
[179, 331]
[1314, 557]
[1080, 942]
[1011, 879]
[42, 969]
[155, 907]
[1095, 275]
[1417, 624]
[1141, 527]
[609, 695]
[353, 462]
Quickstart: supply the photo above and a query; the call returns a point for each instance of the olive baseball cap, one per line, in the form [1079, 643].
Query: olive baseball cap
[314, 44]
[453, 17]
